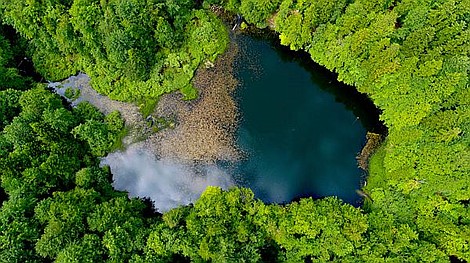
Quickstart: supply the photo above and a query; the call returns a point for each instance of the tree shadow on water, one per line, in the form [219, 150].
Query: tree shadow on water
[360, 104]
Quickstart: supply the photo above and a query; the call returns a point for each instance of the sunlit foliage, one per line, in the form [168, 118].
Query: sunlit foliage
[132, 50]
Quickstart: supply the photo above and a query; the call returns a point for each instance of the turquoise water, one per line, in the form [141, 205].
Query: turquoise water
[300, 129]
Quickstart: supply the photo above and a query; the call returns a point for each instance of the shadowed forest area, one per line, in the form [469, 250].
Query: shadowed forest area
[410, 57]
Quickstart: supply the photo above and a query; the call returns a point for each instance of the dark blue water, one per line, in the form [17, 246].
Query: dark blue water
[299, 129]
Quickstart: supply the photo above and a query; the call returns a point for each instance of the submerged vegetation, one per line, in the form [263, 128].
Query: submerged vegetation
[411, 57]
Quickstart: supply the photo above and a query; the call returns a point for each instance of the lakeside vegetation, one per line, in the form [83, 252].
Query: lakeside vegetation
[411, 57]
[132, 50]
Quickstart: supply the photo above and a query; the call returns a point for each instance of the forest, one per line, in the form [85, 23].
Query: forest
[410, 57]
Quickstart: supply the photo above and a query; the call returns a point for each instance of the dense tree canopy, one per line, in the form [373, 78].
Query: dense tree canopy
[132, 50]
[411, 57]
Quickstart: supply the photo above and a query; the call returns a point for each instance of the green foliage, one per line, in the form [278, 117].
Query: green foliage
[86, 249]
[389, 241]
[10, 77]
[85, 111]
[9, 106]
[319, 230]
[298, 20]
[39, 157]
[64, 214]
[221, 227]
[132, 50]
[79, 219]
[100, 136]
[72, 94]
[94, 178]
[18, 231]
[123, 227]
[35, 102]
[95, 134]
[258, 11]
[230, 5]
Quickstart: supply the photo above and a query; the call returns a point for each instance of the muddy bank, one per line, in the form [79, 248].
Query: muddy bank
[373, 142]
[204, 128]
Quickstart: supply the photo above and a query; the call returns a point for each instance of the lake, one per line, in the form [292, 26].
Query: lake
[300, 129]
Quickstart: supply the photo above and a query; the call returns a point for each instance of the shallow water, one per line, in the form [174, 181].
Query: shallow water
[298, 139]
